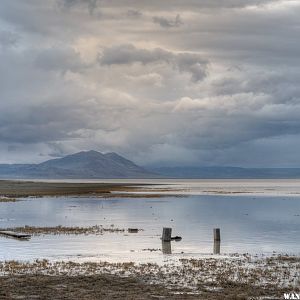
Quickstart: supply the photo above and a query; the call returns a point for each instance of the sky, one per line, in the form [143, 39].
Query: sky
[164, 83]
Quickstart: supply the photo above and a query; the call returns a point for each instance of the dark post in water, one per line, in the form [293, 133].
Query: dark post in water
[217, 235]
[217, 241]
[166, 234]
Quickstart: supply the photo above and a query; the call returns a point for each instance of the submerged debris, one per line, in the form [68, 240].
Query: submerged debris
[16, 235]
[176, 238]
[133, 230]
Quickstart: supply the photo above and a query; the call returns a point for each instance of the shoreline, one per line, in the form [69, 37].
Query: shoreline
[13, 190]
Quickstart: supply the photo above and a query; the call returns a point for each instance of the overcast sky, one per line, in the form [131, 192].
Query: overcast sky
[164, 82]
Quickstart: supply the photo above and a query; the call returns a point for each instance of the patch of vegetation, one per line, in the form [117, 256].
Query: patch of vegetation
[7, 199]
[97, 230]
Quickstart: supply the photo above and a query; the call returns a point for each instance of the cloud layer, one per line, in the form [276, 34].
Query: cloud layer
[161, 82]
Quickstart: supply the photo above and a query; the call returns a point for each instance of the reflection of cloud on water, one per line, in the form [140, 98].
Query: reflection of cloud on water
[248, 224]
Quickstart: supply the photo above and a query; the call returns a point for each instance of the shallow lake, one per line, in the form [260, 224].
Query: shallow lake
[257, 224]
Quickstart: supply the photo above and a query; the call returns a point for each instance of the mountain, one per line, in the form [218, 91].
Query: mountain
[96, 165]
[86, 164]
[227, 172]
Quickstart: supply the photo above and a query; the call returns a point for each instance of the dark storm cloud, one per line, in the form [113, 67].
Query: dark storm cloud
[133, 13]
[90, 4]
[128, 54]
[59, 58]
[188, 4]
[55, 121]
[168, 23]
[8, 39]
[38, 124]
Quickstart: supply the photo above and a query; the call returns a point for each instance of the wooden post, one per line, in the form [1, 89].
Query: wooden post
[217, 241]
[166, 234]
[217, 235]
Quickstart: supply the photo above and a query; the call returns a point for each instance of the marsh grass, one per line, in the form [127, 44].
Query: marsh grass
[95, 230]
[8, 199]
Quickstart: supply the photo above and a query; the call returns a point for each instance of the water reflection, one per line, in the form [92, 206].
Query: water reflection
[249, 224]
[217, 247]
[166, 247]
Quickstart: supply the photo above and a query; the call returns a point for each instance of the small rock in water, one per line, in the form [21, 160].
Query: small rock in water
[176, 238]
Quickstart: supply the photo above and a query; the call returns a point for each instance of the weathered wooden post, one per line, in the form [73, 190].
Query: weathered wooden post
[217, 235]
[217, 241]
[166, 234]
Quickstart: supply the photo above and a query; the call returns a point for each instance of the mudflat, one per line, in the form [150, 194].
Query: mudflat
[241, 277]
[14, 188]
[104, 287]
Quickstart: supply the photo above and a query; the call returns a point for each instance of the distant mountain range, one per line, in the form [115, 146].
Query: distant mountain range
[96, 165]
[227, 172]
[86, 164]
